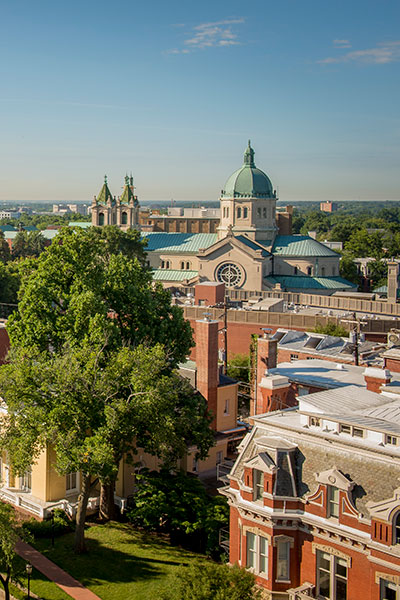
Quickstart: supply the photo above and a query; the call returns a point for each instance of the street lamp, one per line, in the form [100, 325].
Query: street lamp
[28, 568]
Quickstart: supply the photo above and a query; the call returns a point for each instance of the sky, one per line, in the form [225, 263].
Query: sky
[171, 91]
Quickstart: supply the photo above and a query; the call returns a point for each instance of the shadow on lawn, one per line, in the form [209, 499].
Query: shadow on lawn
[108, 564]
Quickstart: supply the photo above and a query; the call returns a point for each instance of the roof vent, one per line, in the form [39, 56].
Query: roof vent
[340, 367]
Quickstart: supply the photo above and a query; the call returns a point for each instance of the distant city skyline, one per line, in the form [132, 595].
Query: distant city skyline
[172, 92]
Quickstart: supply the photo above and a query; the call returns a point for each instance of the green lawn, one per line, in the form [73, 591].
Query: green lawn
[121, 564]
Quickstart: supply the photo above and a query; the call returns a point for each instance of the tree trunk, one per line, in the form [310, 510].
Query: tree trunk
[107, 506]
[83, 498]
[6, 584]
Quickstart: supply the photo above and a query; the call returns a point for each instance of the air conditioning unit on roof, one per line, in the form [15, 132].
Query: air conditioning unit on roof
[393, 338]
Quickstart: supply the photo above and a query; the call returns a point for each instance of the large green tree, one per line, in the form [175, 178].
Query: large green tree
[93, 288]
[28, 243]
[94, 411]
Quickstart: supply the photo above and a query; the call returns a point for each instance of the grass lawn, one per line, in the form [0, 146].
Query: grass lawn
[121, 563]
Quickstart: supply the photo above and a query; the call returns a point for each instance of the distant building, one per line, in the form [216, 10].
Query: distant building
[328, 206]
[10, 214]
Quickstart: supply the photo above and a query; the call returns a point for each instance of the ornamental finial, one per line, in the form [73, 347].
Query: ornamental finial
[105, 179]
[249, 156]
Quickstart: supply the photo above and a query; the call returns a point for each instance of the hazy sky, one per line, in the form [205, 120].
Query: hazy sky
[172, 90]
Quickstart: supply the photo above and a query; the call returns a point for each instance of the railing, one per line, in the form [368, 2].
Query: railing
[224, 539]
[223, 470]
[303, 592]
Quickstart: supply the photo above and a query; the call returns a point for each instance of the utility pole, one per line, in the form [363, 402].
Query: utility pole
[357, 323]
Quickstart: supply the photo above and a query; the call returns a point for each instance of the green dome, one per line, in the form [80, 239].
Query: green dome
[248, 181]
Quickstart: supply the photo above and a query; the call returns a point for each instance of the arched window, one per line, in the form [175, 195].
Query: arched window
[167, 264]
[245, 211]
[295, 269]
[227, 211]
[309, 270]
[124, 219]
[264, 212]
[396, 529]
[101, 219]
[239, 213]
[259, 212]
[182, 265]
[322, 271]
[188, 266]
[163, 264]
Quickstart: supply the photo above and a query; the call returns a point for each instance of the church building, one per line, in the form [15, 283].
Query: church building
[248, 251]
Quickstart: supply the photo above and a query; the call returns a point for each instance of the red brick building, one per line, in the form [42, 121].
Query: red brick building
[315, 498]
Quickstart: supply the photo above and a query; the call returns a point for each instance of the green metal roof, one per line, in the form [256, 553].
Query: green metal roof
[248, 181]
[173, 243]
[300, 245]
[253, 245]
[82, 224]
[104, 193]
[312, 283]
[127, 194]
[7, 228]
[173, 274]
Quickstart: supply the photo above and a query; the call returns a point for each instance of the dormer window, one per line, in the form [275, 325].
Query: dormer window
[350, 430]
[333, 501]
[258, 484]
[392, 440]
[314, 422]
[396, 529]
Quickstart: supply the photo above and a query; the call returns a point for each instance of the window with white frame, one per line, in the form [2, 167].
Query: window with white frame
[333, 501]
[388, 590]
[283, 560]
[350, 430]
[257, 553]
[396, 529]
[258, 484]
[392, 440]
[26, 481]
[331, 576]
[71, 482]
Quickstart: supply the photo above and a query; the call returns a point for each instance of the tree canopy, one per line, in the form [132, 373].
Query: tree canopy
[11, 531]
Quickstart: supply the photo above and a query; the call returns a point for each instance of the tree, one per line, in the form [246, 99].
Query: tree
[94, 409]
[348, 269]
[210, 581]
[378, 271]
[179, 505]
[331, 329]
[10, 532]
[362, 244]
[5, 253]
[239, 367]
[28, 243]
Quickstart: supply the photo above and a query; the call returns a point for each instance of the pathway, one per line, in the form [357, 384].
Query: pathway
[67, 583]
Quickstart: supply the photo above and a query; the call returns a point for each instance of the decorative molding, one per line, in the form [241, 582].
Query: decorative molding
[336, 478]
[330, 550]
[384, 510]
[388, 577]
[318, 495]
[257, 531]
[283, 538]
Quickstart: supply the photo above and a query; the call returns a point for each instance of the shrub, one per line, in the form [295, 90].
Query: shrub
[44, 529]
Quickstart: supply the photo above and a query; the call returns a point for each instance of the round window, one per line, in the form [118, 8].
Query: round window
[230, 274]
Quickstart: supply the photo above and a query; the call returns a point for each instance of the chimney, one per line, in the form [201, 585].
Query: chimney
[209, 293]
[392, 280]
[207, 363]
[267, 352]
[375, 378]
[272, 393]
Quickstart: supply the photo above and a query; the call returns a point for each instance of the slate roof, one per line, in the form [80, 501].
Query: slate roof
[300, 245]
[310, 283]
[173, 274]
[173, 243]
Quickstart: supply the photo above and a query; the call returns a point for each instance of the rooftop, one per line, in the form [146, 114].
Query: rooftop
[300, 245]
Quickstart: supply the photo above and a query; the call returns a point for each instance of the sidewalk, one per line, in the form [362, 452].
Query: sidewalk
[67, 583]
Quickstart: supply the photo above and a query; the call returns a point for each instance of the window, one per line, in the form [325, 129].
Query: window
[245, 212]
[264, 212]
[124, 219]
[219, 457]
[257, 553]
[309, 270]
[314, 422]
[396, 529]
[331, 576]
[350, 430]
[226, 409]
[282, 563]
[188, 265]
[259, 212]
[101, 219]
[295, 270]
[258, 484]
[182, 265]
[70, 481]
[167, 264]
[195, 465]
[294, 357]
[322, 271]
[26, 481]
[390, 439]
[239, 213]
[333, 501]
[388, 590]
